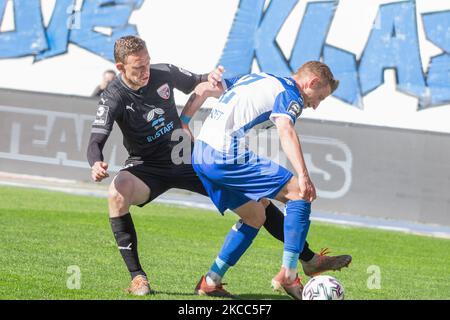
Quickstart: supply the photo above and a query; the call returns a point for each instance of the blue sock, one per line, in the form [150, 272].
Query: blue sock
[237, 241]
[290, 259]
[219, 267]
[296, 226]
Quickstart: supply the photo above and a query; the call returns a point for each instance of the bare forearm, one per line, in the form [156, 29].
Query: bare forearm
[293, 150]
[192, 105]
[202, 92]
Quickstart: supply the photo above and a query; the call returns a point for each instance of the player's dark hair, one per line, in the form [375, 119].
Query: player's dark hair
[322, 71]
[126, 46]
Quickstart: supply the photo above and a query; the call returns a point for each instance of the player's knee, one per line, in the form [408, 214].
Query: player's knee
[116, 199]
[256, 221]
[294, 196]
[290, 191]
[119, 193]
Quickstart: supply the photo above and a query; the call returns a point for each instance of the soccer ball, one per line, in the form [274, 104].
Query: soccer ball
[323, 288]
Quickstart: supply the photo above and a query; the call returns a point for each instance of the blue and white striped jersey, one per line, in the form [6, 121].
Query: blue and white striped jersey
[250, 102]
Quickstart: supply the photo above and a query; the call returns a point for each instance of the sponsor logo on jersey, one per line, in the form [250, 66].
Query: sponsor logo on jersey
[130, 107]
[152, 113]
[294, 109]
[162, 131]
[164, 91]
[102, 115]
[158, 123]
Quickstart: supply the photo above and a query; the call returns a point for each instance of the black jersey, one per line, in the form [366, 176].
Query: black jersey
[147, 117]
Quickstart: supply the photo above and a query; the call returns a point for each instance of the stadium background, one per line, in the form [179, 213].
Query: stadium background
[380, 147]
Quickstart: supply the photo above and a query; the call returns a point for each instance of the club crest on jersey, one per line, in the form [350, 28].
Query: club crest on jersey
[294, 109]
[164, 91]
[102, 115]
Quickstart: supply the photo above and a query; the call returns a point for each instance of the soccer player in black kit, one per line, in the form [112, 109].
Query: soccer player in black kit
[141, 101]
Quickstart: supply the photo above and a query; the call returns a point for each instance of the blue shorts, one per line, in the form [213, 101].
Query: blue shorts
[233, 180]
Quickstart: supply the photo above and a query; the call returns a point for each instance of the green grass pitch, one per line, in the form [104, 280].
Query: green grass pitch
[44, 233]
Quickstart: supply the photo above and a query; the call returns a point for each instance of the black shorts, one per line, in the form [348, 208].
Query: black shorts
[162, 178]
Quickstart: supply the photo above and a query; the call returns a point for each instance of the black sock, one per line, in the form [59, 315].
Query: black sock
[307, 254]
[126, 239]
[275, 226]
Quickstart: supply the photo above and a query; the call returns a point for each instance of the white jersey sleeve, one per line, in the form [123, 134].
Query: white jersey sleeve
[287, 105]
[250, 102]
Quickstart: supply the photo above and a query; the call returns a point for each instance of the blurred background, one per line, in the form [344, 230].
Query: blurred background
[378, 150]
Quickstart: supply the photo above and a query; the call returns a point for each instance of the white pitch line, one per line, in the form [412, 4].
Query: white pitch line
[200, 203]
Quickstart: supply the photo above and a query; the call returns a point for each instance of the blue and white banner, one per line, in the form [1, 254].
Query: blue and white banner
[392, 57]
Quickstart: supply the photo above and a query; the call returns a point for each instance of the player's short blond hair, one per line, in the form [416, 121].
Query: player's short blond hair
[126, 46]
[322, 71]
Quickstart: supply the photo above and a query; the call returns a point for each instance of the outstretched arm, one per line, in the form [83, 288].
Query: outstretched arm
[212, 88]
[202, 92]
[292, 147]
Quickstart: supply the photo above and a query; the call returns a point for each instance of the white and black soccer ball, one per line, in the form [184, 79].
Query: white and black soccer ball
[323, 288]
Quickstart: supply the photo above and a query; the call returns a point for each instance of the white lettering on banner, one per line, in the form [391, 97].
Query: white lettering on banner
[330, 163]
[48, 137]
[345, 165]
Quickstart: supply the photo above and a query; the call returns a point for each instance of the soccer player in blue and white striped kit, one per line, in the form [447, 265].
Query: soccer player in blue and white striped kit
[238, 179]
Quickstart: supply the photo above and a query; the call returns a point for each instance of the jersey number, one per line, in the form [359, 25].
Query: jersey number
[244, 81]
